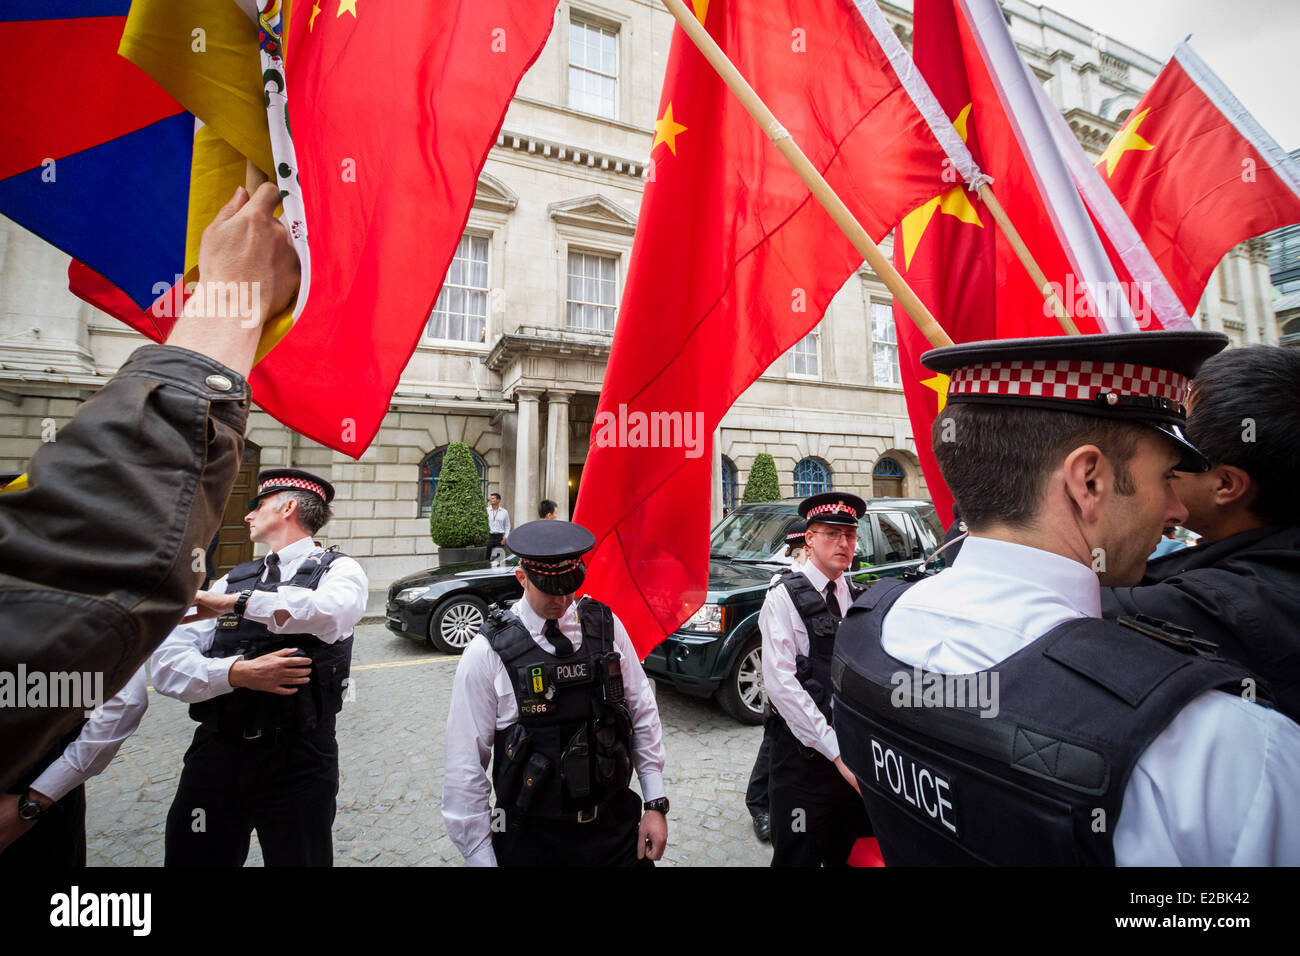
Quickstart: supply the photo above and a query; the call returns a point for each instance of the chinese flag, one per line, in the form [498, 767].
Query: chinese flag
[949, 249]
[1197, 174]
[732, 264]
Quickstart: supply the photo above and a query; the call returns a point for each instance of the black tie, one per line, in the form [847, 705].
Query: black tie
[563, 646]
[272, 568]
[833, 602]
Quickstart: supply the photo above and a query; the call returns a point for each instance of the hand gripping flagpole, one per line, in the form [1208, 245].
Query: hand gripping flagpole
[814, 180]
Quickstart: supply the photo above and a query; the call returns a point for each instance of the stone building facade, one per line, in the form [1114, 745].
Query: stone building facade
[515, 352]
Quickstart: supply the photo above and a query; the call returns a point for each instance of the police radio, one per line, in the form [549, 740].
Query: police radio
[611, 678]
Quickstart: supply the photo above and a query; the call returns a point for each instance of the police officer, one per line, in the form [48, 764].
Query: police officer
[816, 813]
[264, 665]
[553, 694]
[989, 712]
[796, 548]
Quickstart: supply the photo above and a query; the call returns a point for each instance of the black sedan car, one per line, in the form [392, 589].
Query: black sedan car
[446, 605]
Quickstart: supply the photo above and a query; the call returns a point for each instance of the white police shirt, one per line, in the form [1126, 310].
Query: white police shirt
[784, 638]
[99, 741]
[329, 613]
[1219, 786]
[483, 702]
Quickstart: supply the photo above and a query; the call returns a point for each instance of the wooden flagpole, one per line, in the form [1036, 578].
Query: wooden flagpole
[814, 180]
[1027, 259]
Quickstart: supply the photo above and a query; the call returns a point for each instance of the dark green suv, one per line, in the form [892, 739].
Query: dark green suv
[719, 650]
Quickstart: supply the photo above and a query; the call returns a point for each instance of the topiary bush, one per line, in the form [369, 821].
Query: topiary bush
[458, 518]
[763, 485]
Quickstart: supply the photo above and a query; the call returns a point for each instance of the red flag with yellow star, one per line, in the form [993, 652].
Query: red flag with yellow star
[392, 109]
[732, 264]
[1197, 174]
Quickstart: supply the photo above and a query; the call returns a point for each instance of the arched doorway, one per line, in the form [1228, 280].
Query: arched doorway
[888, 480]
[233, 545]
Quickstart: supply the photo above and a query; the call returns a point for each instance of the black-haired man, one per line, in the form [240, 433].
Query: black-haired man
[546, 510]
[553, 694]
[988, 711]
[1240, 587]
[264, 666]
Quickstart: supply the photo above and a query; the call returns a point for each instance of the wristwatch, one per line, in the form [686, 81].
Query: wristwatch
[241, 602]
[29, 809]
[659, 806]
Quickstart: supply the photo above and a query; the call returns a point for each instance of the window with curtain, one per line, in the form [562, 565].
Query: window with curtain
[461, 310]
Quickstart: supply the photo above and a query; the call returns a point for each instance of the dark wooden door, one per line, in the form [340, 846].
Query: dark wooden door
[233, 545]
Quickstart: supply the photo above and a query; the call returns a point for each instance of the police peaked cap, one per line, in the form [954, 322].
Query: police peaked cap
[274, 480]
[795, 533]
[550, 552]
[833, 507]
[1143, 377]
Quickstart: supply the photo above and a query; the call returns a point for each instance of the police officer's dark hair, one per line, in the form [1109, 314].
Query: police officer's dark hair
[1253, 391]
[794, 546]
[313, 513]
[999, 456]
[547, 507]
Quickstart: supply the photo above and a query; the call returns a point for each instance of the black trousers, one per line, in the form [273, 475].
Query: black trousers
[609, 840]
[57, 841]
[283, 785]
[756, 793]
[494, 542]
[816, 815]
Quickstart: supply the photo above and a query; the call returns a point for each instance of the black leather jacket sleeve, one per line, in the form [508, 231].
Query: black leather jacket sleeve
[97, 556]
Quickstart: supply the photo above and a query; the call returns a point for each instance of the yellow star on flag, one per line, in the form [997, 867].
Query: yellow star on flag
[666, 130]
[1124, 140]
[701, 9]
[347, 6]
[940, 385]
[954, 202]
[315, 12]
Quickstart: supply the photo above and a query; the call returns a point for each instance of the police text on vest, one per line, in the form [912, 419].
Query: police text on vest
[926, 790]
[75, 908]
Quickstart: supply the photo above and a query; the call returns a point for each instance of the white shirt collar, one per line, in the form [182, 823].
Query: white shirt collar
[819, 580]
[299, 549]
[1044, 571]
[535, 622]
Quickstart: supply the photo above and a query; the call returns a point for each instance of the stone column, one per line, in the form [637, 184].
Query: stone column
[1263, 284]
[526, 455]
[557, 451]
[715, 512]
[1246, 301]
[1213, 302]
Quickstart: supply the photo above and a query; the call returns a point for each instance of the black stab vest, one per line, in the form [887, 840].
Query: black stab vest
[570, 751]
[249, 712]
[1039, 784]
[813, 671]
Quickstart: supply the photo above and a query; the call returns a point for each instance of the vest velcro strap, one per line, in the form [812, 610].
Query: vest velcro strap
[1091, 650]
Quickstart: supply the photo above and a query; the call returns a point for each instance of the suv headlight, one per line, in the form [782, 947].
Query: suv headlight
[709, 619]
[407, 595]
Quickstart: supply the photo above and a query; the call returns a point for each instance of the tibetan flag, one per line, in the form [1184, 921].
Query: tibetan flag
[733, 262]
[1197, 174]
[94, 157]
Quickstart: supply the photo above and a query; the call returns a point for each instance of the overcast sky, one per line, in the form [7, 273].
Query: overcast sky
[1253, 45]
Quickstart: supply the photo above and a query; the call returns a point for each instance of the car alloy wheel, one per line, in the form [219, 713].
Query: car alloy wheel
[741, 694]
[456, 622]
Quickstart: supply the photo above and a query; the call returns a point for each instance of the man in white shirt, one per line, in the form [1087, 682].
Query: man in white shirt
[264, 665]
[554, 695]
[989, 713]
[498, 524]
[45, 826]
[815, 811]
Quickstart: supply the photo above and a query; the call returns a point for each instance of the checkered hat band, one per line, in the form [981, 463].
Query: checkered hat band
[1079, 381]
[837, 508]
[564, 567]
[281, 484]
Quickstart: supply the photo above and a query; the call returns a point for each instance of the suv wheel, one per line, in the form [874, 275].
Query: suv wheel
[742, 695]
[455, 622]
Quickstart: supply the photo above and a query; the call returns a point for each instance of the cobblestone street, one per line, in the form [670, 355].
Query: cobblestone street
[391, 761]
